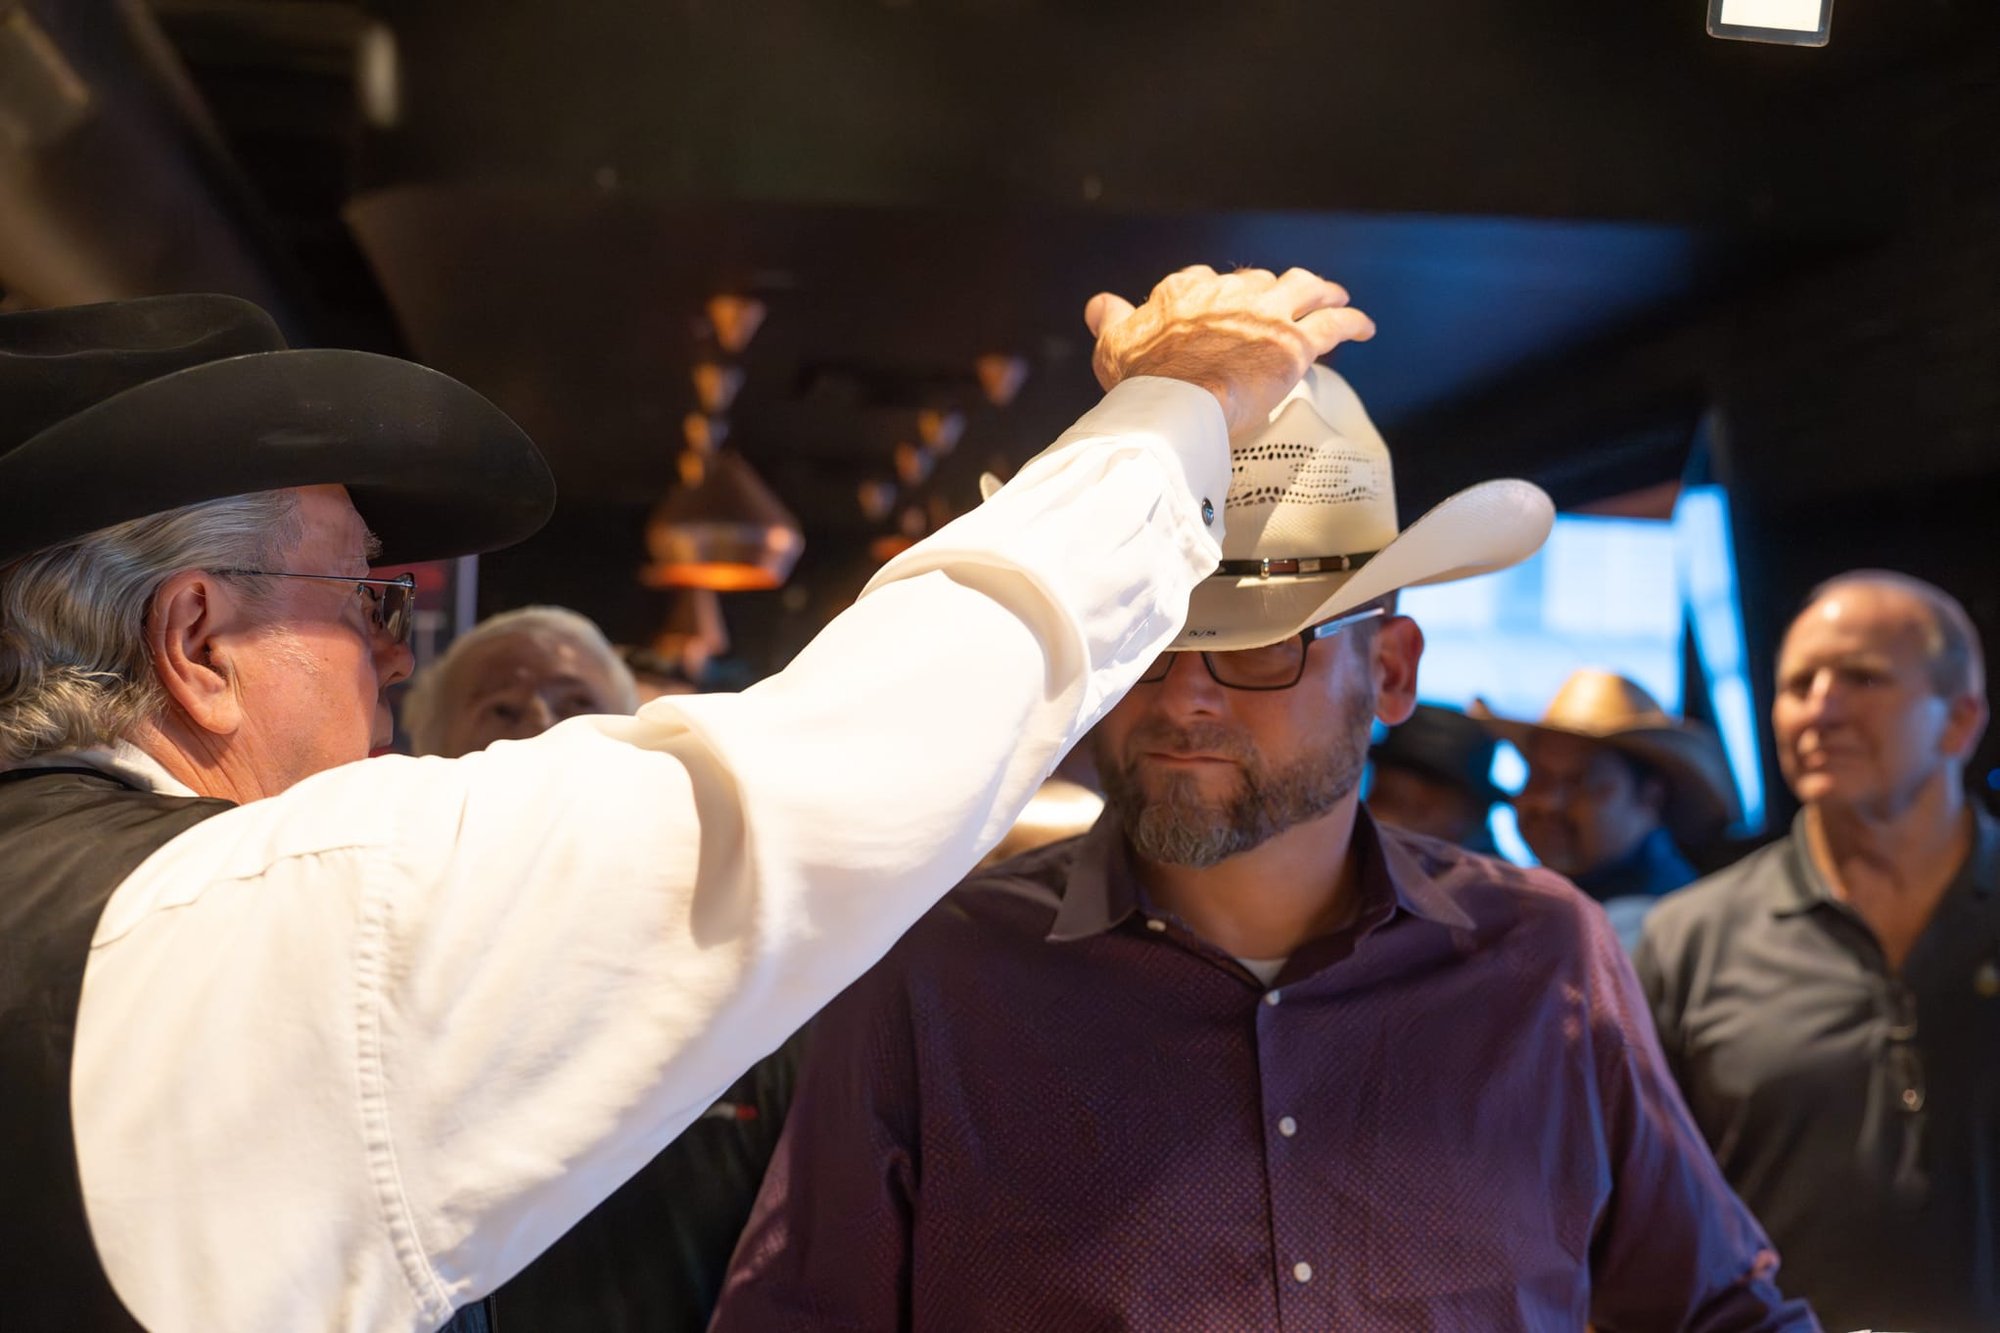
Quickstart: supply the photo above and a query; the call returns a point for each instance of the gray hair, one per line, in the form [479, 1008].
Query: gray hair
[1957, 661]
[426, 706]
[75, 671]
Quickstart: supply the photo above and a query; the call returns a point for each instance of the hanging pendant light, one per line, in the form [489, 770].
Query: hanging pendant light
[727, 533]
[721, 529]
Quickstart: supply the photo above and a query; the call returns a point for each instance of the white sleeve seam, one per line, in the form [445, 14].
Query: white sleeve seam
[371, 963]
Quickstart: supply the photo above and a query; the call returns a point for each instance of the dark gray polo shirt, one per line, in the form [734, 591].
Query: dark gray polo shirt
[1856, 1111]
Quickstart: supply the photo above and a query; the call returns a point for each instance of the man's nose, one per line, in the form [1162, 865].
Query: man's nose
[1824, 694]
[540, 716]
[1189, 687]
[1534, 800]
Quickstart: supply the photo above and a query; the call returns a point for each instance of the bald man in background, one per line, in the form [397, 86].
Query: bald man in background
[1831, 1005]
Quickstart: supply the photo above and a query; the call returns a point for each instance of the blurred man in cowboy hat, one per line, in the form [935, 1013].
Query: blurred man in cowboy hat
[293, 1041]
[1243, 1058]
[1433, 775]
[1617, 792]
[1831, 1004]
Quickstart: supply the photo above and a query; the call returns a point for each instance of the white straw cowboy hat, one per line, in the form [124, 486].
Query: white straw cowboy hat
[1310, 525]
[1604, 707]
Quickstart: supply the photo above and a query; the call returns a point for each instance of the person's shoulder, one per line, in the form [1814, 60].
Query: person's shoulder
[1504, 901]
[1012, 899]
[1477, 880]
[1717, 900]
[987, 931]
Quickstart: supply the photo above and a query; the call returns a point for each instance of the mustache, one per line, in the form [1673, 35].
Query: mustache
[1201, 738]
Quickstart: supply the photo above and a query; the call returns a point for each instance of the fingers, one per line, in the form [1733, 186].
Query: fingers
[1192, 273]
[1326, 329]
[1104, 309]
[1308, 291]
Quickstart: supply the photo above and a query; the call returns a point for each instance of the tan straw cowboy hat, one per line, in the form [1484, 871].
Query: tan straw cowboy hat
[1310, 525]
[1605, 707]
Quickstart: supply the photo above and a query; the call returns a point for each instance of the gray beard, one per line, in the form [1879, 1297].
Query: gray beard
[1178, 826]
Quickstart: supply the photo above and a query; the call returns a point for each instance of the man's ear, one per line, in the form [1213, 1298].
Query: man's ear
[1399, 646]
[182, 629]
[1965, 723]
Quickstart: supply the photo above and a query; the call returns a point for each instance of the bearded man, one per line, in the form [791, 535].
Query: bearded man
[1239, 1057]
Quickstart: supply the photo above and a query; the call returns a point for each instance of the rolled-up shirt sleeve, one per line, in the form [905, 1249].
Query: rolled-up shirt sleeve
[349, 1057]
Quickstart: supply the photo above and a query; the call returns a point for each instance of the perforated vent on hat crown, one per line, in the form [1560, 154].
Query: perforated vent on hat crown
[1307, 486]
[1335, 472]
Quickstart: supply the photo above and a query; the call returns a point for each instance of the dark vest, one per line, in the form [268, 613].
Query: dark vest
[68, 839]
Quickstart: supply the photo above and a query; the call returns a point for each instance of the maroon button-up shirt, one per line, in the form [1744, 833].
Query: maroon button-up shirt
[1052, 1107]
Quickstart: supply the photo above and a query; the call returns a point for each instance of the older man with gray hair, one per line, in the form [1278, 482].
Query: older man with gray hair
[293, 1041]
[512, 676]
[1831, 1005]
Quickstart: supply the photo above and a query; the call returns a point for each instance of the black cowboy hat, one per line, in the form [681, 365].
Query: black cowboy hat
[1446, 746]
[112, 412]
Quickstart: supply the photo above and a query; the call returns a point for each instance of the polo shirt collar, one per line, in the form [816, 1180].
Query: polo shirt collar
[1102, 888]
[1803, 887]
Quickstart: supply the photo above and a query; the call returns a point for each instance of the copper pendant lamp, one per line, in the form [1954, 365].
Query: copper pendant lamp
[726, 532]
[722, 529]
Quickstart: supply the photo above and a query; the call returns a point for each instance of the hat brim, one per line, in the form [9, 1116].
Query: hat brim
[1701, 796]
[1487, 527]
[434, 468]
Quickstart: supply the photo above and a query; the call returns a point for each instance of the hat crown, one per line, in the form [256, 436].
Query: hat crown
[57, 363]
[1597, 702]
[1315, 481]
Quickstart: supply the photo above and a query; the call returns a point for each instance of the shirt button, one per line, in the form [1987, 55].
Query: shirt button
[1288, 1126]
[1271, 998]
[1912, 1099]
[1302, 1271]
[1154, 923]
[1208, 511]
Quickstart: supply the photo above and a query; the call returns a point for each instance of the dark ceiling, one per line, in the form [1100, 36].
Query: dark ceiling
[538, 195]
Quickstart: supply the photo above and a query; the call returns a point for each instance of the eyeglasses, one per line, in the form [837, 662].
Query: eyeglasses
[1275, 666]
[391, 602]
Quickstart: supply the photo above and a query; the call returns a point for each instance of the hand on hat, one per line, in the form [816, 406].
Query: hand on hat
[1247, 337]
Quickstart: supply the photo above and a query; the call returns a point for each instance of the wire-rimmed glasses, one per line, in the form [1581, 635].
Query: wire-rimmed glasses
[392, 603]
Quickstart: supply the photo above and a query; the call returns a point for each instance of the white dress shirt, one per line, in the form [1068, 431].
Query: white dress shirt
[349, 1057]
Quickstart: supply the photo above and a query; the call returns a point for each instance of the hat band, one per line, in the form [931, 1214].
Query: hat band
[1305, 564]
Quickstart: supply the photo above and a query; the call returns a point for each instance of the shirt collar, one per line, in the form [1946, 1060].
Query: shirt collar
[1102, 888]
[1804, 887]
[123, 761]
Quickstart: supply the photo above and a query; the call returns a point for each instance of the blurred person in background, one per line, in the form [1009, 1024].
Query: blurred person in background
[512, 676]
[651, 1258]
[1433, 775]
[1240, 1057]
[1831, 1004]
[1618, 792]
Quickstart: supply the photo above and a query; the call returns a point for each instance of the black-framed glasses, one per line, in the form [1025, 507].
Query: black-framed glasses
[392, 603]
[1275, 666]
